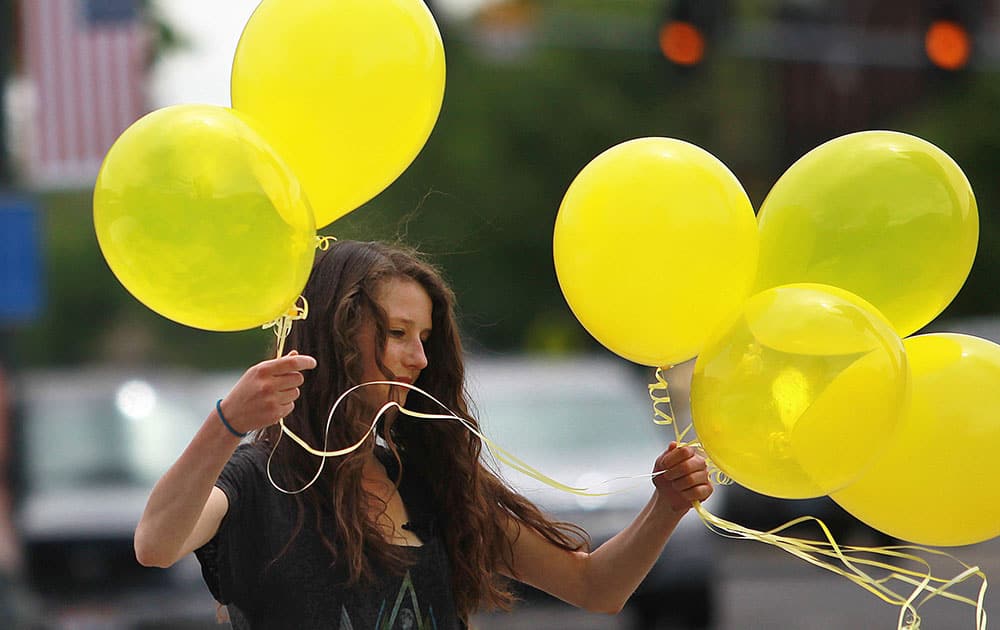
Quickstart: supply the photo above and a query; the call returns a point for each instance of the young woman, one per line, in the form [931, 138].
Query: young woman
[410, 530]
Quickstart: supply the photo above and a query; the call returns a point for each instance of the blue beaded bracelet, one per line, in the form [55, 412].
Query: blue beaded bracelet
[218, 407]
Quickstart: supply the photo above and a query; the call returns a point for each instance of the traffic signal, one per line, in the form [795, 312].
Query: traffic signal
[682, 42]
[686, 32]
[948, 41]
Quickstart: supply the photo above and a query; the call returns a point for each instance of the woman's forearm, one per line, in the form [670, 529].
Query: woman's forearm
[181, 514]
[604, 579]
[179, 497]
[616, 568]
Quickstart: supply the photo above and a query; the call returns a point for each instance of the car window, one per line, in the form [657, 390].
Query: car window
[581, 422]
[70, 444]
[568, 419]
[83, 431]
[585, 423]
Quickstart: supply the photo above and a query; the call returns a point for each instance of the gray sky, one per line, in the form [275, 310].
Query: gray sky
[200, 72]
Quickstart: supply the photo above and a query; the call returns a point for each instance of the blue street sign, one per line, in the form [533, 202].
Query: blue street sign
[108, 12]
[20, 260]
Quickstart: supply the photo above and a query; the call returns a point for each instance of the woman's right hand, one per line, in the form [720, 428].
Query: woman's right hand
[185, 509]
[266, 392]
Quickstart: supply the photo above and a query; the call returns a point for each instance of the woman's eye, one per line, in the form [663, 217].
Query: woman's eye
[395, 332]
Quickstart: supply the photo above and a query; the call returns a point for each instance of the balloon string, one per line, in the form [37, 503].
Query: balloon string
[495, 449]
[323, 242]
[811, 551]
[826, 554]
[283, 325]
[816, 552]
[298, 311]
[663, 415]
[281, 328]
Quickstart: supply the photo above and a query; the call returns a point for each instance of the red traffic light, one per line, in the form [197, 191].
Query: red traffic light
[682, 43]
[947, 44]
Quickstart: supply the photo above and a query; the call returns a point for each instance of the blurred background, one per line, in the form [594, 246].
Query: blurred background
[98, 393]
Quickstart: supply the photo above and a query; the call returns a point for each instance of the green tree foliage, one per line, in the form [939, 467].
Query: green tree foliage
[960, 117]
[484, 194]
[518, 123]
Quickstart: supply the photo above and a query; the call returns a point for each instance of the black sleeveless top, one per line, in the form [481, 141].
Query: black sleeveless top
[300, 589]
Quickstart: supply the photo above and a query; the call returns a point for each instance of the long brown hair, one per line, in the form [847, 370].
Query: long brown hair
[472, 506]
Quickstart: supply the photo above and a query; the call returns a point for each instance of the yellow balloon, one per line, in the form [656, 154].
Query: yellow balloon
[202, 221]
[347, 91]
[783, 411]
[938, 483]
[654, 244]
[885, 215]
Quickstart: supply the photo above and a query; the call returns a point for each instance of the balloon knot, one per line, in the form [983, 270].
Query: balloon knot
[323, 242]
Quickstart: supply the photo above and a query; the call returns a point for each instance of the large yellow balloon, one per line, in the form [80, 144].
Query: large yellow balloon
[885, 215]
[202, 221]
[938, 483]
[797, 395]
[347, 91]
[655, 243]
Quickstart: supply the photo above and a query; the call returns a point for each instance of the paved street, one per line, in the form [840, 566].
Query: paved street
[763, 588]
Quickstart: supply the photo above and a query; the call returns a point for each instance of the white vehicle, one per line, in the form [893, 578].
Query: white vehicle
[583, 421]
[91, 444]
[90, 447]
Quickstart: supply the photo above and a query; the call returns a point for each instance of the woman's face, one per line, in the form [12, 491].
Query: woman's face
[408, 311]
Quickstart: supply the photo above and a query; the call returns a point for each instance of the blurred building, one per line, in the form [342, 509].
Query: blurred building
[839, 66]
[848, 66]
[83, 70]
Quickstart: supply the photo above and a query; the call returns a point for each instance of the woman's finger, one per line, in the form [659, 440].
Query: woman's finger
[692, 480]
[289, 381]
[288, 364]
[684, 468]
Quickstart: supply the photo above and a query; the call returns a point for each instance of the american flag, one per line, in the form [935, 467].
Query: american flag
[86, 60]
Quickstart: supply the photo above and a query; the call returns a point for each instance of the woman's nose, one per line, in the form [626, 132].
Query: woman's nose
[417, 357]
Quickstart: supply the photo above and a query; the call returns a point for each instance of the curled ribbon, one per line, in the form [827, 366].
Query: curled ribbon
[298, 311]
[827, 554]
[323, 242]
[495, 449]
[283, 325]
[659, 393]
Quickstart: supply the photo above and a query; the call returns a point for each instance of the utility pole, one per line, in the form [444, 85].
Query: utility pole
[7, 44]
[9, 547]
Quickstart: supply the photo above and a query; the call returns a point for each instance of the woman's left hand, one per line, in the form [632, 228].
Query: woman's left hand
[685, 477]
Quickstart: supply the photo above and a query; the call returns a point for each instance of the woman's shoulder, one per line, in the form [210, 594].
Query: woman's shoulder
[250, 453]
[248, 457]
[245, 470]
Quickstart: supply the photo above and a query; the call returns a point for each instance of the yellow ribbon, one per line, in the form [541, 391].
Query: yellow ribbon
[283, 325]
[659, 393]
[298, 311]
[495, 449]
[323, 242]
[820, 553]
